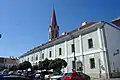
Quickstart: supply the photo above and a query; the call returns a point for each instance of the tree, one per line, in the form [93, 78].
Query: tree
[57, 64]
[25, 65]
[40, 66]
[44, 64]
[2, 68]
[35, 67]
[13, 68]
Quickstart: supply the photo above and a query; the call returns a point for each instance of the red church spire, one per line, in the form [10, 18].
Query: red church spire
[53, 28]
[53, 19]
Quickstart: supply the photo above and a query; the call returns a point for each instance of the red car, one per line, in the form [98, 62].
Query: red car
[76, 76]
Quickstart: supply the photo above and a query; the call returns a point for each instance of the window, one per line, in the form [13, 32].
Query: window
[22, 61]
[42, 55]
[36, 63]
[79, 66]
[28, 59]
[50, 53]
[90, 43]
[73, 64]
[36, 57]
[92, 63]
[60, 51]
[31, 58]
[73, 47]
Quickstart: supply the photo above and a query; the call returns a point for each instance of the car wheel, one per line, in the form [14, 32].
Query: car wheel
[88, 78]
[74, 79]
[58, 79]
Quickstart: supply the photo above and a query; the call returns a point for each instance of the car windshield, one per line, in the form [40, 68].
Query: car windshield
[57, 73]
[68, 74]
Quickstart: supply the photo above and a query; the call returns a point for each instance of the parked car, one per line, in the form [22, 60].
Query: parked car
[37, 75]
[11, 73]
[1, 75]
[57, 76]
[6, 71]
[44, 75]
[14, 78]
[76, 76]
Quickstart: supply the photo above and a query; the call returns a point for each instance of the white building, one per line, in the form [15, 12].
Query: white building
[97, 46]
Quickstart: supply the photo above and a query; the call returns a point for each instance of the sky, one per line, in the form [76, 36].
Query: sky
[24, 23]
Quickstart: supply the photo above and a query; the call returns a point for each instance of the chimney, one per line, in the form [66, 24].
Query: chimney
[63, 33]
[84, 23]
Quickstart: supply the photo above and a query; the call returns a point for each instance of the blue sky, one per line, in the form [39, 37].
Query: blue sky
[24, 23]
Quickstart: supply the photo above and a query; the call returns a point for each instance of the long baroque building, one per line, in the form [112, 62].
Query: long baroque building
[95, 46]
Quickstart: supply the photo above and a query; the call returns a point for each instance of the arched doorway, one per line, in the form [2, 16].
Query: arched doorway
[79, 66]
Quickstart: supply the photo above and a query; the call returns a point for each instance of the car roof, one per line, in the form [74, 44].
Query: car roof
[13, 76]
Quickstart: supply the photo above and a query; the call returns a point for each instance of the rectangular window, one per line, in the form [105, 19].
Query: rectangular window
[73, 64]
[28, 59]
[60, 51]
[92, 63]
[73, 47]
[90, 43]
[50, 53]
[31, 58]
[42, 55]
[36, 57]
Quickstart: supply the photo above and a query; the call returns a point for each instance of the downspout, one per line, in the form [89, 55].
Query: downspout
[81, 48]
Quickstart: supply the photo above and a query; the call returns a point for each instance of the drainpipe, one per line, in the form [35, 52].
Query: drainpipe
[73, 52]
[81, 51]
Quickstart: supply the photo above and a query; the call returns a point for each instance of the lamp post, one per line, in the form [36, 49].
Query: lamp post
[73, 50]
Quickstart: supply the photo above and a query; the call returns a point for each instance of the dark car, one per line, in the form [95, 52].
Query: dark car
[1, 75]
[76, 76]
[14, 78]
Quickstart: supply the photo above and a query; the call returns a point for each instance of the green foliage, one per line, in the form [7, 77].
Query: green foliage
[40, 66]
[25, 65]
[13, 68]
[57, 64]
[2, 68]
[35, 67]
[44, 64]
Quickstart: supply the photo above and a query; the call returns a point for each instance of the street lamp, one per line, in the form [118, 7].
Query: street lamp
[73, 50]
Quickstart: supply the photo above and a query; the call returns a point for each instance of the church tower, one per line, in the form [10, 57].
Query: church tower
[53, 28]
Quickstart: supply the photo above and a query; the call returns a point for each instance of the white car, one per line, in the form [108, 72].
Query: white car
[57, 76]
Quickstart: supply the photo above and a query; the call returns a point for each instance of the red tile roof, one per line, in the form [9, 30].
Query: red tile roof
[116, 22]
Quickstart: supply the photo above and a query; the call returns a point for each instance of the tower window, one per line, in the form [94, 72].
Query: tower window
[60, 51]
[50, 53]
[92, 63]
[90, 43]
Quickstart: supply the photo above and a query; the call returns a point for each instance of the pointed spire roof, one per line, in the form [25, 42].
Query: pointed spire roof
[53, 19]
